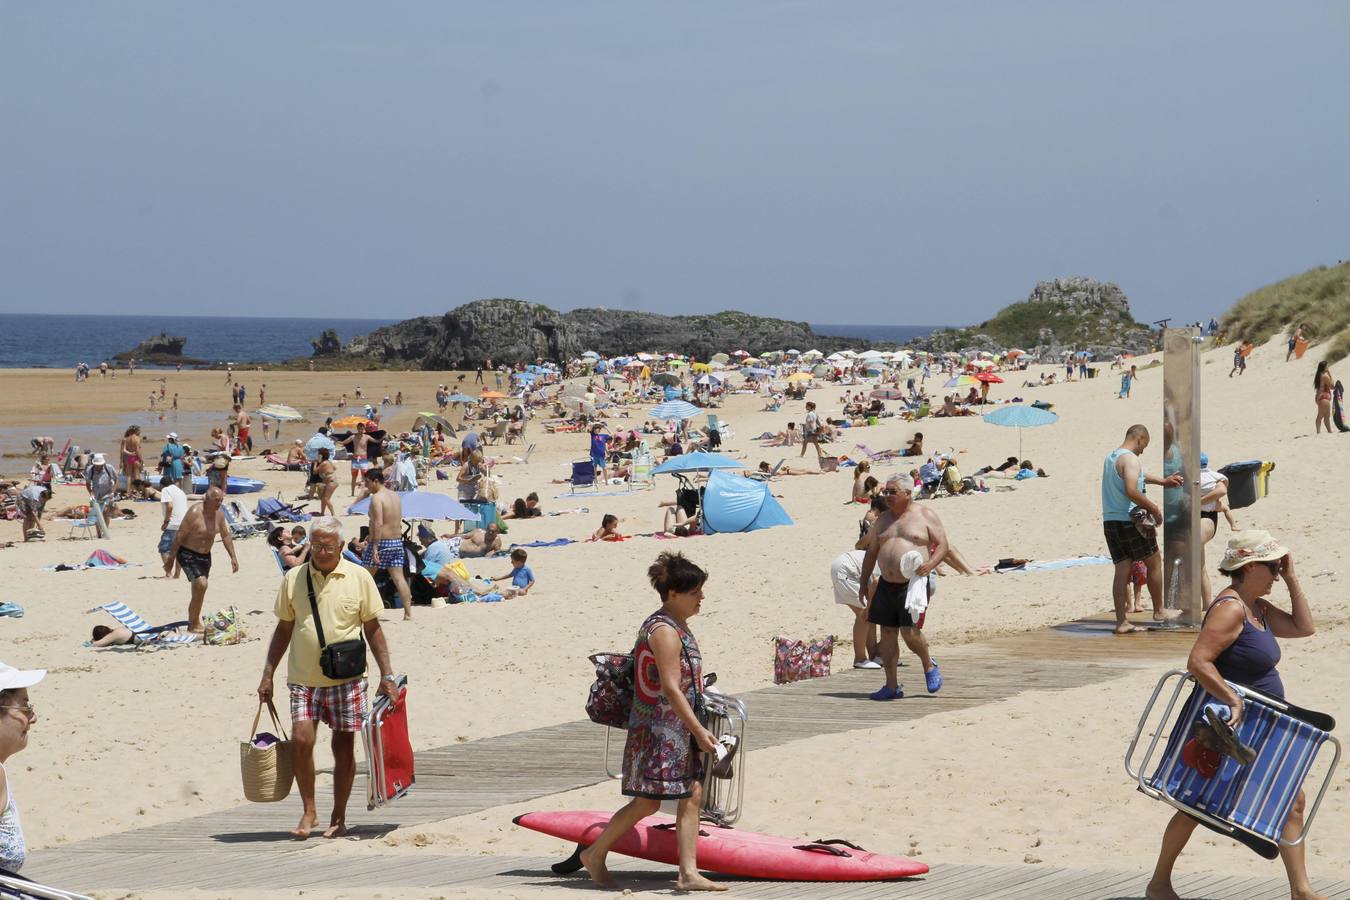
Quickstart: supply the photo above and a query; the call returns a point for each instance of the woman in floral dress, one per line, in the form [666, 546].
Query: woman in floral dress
[664, 756]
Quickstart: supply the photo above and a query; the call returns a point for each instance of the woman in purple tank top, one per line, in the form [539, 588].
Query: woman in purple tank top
[1237, 643]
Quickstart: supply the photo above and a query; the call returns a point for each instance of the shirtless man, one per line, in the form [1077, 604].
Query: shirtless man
[358, 446]
[192, 548]
[385, 549]
[480, 542]
[903, 527]
[243, 423]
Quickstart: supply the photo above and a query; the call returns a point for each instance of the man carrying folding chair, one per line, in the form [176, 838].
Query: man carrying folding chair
[1237, 644]
[324, 609]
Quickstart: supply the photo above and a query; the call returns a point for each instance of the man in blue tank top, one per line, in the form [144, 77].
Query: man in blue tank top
[1123, 483]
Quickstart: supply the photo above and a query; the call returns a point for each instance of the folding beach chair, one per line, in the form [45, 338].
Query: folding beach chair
[1249, 803]
[144, 634]
[873, 455]
[640, 475]
[529, 449]
[84, 529]
[583, 475]
[243, 524]
[771, 474]
[495, 434]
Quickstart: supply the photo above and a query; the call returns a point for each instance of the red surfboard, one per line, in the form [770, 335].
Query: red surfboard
[729, 851]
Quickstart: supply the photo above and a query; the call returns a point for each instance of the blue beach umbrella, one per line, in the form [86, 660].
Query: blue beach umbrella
[699, 461]
[319, 440]
[674, 409]
[1020, 417]
[754, 370]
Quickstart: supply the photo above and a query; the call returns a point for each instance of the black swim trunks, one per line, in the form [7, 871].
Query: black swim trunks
[1212, 515]
[888, 606]
[1124, 542]
[195, 565]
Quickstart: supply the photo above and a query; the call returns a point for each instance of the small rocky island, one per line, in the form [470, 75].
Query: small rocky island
[161, 350]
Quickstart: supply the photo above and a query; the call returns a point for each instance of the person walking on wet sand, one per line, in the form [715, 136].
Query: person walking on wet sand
[192, 548]
[905, 527]
[1123, 483]
[343, 597]
[664, 755]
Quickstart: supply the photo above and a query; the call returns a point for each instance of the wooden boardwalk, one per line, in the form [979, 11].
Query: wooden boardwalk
[248, 847]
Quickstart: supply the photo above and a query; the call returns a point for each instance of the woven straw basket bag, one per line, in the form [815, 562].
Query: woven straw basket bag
[268, 771]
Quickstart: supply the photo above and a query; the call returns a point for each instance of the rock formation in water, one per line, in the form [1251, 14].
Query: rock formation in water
[1067, 314]
[162, 349]
[514, 331]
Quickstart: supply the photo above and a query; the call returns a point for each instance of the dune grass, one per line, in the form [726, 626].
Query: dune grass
[1319, 299]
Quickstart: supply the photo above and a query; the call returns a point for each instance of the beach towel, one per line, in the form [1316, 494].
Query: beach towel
[12, 610]
[595, 494]
[1066, 563]
[99, 559]
[916, 597]
[560, 542]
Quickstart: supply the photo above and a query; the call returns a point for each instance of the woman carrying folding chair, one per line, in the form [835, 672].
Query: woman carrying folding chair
[1237, 643]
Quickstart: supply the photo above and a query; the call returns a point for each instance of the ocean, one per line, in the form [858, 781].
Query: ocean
[30, 341]
[48, 341]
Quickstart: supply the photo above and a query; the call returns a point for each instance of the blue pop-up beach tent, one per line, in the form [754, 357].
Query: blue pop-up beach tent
[735, 503]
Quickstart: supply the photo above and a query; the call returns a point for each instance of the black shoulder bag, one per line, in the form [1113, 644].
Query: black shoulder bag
[344, 660]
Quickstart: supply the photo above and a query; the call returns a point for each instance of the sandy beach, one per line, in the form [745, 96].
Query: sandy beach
[126, 739]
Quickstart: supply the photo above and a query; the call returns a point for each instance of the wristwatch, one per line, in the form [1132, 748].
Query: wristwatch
[389, 678]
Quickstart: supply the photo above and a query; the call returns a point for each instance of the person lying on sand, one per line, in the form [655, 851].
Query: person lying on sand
[608, 530]
[481, 542]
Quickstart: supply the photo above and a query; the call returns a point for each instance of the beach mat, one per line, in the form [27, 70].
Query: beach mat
[1064, 563]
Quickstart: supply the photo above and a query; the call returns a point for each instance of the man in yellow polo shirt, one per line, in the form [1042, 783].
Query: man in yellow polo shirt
[349, 604]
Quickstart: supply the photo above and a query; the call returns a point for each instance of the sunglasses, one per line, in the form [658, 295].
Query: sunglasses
[891, 492]
[1274, 567]
[27, 709]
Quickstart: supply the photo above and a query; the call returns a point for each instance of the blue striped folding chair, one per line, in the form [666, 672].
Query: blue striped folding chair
[1249, 803]
[144, 634]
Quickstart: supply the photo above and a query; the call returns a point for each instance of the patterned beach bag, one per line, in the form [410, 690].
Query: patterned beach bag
[223, 628]
[610, 700]
[795, 660]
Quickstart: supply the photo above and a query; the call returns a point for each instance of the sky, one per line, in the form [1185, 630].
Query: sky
[848, 162]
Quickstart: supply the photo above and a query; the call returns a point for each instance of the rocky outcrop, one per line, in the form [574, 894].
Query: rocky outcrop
[162, 349]
[1067, 314]
[514, 331]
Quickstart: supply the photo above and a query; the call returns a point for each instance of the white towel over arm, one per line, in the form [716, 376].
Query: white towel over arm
[916, 598]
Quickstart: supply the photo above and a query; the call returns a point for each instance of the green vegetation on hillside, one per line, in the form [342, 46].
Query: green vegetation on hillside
[1319, 299]
[1020, 324]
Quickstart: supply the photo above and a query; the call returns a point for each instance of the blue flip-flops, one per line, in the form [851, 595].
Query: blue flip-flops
[933, 678]
[888, 693]
[13, 610]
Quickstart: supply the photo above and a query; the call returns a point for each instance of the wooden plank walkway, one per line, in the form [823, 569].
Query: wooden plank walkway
[221, 850]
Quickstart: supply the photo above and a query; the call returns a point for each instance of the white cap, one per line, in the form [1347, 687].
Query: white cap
[11, 678]
[99, 459]
[171, 436]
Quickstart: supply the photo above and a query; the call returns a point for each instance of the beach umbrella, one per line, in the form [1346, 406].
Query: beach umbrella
[961, 381]
[634, 364]
[279, 412]
[887, 394]
[822, 370]
[836, 357]
[799, 376]
[493, 395]
[983, 364]
[316, 442]
[591, 354]
[423, 505]
[753, 370]
[719, 358]
[350, 422]
[871, 354]
[988, 378]
[669, 378]
[645, 357]
[1020, 417]
[812, 354]
[674, 409]
[1015, 352]
[434, 419]
[677, 363]
[793, 352]
[739, 353]
[698, 461]
[752, 361]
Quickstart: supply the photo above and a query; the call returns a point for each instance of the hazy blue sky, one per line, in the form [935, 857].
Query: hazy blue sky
[900, 163]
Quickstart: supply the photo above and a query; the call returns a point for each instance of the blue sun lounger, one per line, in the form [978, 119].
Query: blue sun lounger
[1247, 803]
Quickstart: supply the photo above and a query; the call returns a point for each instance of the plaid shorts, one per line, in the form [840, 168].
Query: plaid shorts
[342, 707]
[1124, 542]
